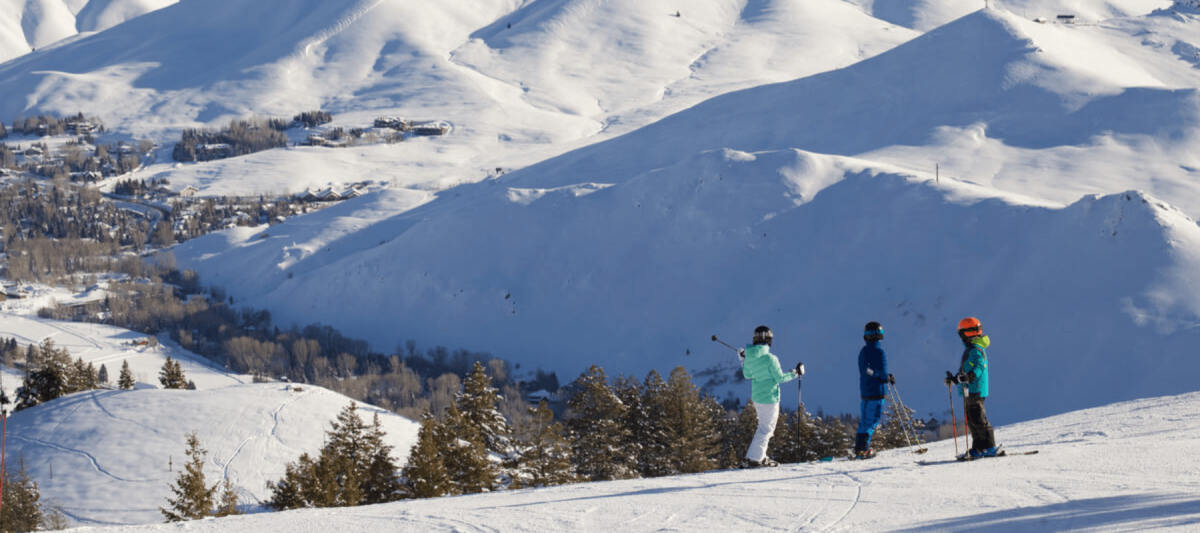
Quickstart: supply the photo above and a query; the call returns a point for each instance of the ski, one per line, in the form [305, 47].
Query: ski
[966, 460]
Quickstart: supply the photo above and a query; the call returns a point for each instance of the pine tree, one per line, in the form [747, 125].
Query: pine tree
[687, 421]
[354, 467]
[478, 404]
[19, 509]
[597, 436]
[193, 498]
[544, 457]
[743, 429]
[641, 442]
[795, 437]
[102, 376]
[228, 506]
[834, 439]
[466, 457]
[125, 380]
[171, 375]
[425, 475]
[48, 375]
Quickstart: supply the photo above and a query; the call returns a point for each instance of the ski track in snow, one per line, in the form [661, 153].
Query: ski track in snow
[90, 457]
[361, 10]
[103, 409]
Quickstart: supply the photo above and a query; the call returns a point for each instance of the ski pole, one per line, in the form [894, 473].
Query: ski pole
[905, 416]
[3, 441]
[953, 417]
[723, 342]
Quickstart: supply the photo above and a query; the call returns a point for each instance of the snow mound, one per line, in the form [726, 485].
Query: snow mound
[116, 453]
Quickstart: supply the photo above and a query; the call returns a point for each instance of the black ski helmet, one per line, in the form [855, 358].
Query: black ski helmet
[762, 335]
[873, 331]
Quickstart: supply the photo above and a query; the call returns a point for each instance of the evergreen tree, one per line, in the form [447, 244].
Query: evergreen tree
[102, 376]
[686, 419]
[833, 438]
[19, 508]
[640, 441]
[795, 437]
[367, 456]
[354, 467]
[544, 457]
[125, 380]
[228, 506]
[426, 475]
[466, 457]
[597, 435]
[477, 402]
[193, 498]
[171, 375]
[48, 375]
[738, 433]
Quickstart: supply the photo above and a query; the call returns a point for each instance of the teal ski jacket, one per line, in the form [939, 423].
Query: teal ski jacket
[762, 369]
[975, 362]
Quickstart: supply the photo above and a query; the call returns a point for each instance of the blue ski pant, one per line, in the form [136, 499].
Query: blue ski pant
[869, 417]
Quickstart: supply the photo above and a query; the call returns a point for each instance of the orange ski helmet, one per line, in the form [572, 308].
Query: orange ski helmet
[969, 327]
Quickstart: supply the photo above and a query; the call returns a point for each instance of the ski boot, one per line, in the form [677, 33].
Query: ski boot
[984, 453]
[865, 454]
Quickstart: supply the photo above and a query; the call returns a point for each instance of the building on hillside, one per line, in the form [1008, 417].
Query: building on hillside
[1066, 19]
[189, 192]
[352, 192]
[307, 196]
[538, 396]
[80, 128]
[395, 123]
[431, 128]
[329, 195]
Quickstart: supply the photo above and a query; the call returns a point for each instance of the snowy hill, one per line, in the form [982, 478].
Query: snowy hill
[1097, 470]
[110, 457]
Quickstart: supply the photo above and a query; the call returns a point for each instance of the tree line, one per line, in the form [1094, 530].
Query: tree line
[614, 429]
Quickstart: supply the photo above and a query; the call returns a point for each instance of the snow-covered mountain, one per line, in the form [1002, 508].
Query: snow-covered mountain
[811, 206]
[1103, 469]
[26, 25]
[700, 170]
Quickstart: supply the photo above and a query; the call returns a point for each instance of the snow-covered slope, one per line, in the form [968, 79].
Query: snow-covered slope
[631, 253]
[110, 457]
[26, 25]
[1104, 469]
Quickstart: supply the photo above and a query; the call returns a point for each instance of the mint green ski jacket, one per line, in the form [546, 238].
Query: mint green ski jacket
[762, 369]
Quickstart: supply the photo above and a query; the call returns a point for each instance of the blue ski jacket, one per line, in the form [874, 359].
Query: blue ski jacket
[872, 371]
[975, 362]
[762, 369]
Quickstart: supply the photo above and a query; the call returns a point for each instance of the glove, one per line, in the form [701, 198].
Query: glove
[962, 378]
[742, 354]
[949, 379]
[799, 369]
[891, 379]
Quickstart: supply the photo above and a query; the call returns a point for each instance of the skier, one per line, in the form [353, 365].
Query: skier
[873, 380]
[762, 369]
[972, 378]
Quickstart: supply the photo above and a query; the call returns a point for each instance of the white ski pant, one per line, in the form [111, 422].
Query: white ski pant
[768, 414]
